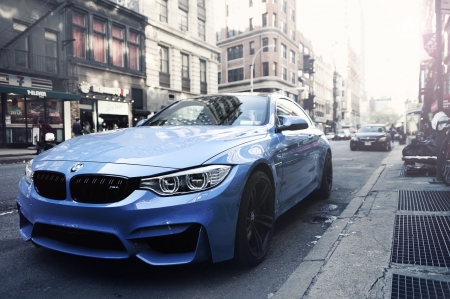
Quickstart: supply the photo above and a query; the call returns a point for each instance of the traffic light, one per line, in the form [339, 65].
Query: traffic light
[308, 103]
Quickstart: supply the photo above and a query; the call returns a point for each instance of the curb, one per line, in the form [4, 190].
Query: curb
[305, 276]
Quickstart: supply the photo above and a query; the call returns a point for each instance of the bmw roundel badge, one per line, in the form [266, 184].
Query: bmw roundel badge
[76, 167]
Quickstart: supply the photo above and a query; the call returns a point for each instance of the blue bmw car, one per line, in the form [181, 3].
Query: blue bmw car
[203, 179]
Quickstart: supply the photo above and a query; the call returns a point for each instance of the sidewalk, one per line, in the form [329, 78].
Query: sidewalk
[14, 155]
[392, 241]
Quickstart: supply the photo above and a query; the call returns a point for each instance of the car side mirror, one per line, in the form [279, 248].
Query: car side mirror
[291, 123]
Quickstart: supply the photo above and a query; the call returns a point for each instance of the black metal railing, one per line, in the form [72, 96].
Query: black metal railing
[41, 65]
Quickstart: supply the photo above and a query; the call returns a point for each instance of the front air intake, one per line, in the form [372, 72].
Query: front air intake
[50, 184]
[101, 188]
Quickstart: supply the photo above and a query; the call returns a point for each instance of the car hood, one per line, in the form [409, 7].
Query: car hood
[171, 147]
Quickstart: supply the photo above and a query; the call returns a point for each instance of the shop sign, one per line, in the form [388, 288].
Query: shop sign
[85, 87]
[36, 93]
[24, 81]
[116, 108]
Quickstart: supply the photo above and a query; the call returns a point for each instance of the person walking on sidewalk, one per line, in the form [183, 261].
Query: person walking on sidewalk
[76, 128]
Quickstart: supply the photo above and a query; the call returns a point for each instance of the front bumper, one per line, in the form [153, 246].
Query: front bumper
[158, 230]
[369, 144]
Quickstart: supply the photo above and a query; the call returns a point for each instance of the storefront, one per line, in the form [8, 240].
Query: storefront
[21, 108]
[103, 107]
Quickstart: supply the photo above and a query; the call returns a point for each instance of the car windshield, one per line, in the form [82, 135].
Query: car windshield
[222, 110]
[371, 129]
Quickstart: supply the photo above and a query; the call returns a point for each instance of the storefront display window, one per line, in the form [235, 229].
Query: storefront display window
[24, 112]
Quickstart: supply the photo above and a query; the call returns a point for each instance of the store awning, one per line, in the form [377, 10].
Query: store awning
[27, 91]
[140, 112]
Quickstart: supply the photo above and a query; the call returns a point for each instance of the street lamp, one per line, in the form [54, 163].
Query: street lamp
[253, 62]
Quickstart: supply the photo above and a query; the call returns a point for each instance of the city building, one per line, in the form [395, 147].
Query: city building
[262, 50]
[323, 92]
[182, 56]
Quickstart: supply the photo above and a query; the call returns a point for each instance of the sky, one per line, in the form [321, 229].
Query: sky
[393, 41]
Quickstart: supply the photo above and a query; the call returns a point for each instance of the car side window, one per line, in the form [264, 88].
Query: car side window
[288, 107]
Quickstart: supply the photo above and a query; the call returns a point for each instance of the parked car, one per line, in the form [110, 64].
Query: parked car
[343, 134]
[372, 136]
[331, 135]
[203, 179]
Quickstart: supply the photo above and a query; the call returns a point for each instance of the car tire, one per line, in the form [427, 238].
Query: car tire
[255, 222]
[326, 184]
[352, 148]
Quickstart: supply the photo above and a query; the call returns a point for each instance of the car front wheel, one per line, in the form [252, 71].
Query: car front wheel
[327, 179]
[255, 220]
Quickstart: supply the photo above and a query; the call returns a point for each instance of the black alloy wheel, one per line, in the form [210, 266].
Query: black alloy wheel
[327, 178]
[255, 220]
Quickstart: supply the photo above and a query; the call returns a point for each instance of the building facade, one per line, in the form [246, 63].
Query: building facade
[180, 50]
[261, 49]
[323, 92]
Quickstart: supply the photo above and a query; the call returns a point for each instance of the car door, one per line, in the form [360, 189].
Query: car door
[297, 155]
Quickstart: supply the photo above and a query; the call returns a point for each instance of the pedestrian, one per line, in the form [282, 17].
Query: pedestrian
[104, 127]
[76, 128]
[86, 127]
[44, 129]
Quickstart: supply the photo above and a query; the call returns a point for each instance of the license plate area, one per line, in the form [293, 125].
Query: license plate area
[367, 143]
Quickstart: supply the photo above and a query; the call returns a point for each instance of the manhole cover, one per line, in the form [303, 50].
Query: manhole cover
[327, 207]
[320, 218]
[415, 287]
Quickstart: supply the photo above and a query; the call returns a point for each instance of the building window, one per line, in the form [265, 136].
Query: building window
[283, 26]
[99, 29]
[283, 6]
[252, 48]
[51, 50]
[265, 44]
[250, 24]
[264, 20]
[201, 29]
[183, 20]
[201, 3]
[292, 34]
[265, 66]
[219, 58]
[203, 86]
[292, 56]
[134, 50]
[235, 52]
[163, 59]
[79, 34]
[185, 66]
[236, 75]
[292, 14]
[274, 20]
[283, 51]
[161, 6]
[275, 44]
[293, 77]
[283, 73]
[274, 68]
[250, 3]
[117, 46]
[219, 78]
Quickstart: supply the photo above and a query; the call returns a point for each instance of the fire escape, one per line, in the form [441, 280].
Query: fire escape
[20, 59]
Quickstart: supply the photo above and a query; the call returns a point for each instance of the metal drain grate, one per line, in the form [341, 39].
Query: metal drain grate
[423, 200]
[421, 240]
[414, 287]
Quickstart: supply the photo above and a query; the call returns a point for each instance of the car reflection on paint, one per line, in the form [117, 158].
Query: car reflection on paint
[203, 179]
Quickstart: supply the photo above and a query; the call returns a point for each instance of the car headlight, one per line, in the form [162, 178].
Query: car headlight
[187, 181]
[382, 139]
[29, 172]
